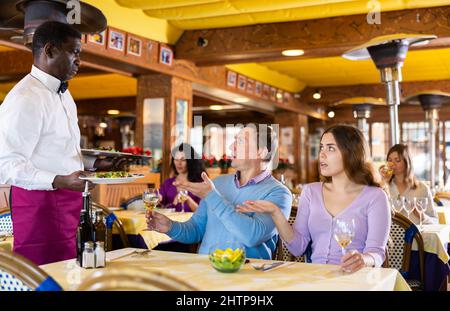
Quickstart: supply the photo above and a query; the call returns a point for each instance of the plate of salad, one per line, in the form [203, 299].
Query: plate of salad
[118, 177]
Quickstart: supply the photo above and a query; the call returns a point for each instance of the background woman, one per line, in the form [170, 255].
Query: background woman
[348, 191]
[187, 166]
[402, 182]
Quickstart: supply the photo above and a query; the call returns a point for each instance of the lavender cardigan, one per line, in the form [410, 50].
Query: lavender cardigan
[314, 223]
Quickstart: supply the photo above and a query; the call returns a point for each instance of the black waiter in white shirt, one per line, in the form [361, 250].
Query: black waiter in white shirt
[40, 155]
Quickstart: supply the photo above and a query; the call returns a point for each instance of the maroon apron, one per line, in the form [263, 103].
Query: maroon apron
[45, 223]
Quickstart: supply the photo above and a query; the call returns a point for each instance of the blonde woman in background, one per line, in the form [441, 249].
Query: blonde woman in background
[403, 183]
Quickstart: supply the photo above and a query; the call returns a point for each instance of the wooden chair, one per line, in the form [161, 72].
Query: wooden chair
[133, 279]
[403, 233]
[20, 274]
[283, 254]
[6, 221]
[112, 220]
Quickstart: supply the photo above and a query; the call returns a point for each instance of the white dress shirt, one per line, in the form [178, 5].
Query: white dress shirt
[39, 133]
[422, 191]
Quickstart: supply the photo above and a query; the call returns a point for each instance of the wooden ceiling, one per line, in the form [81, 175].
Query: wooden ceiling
[208, 14]
[248, 36]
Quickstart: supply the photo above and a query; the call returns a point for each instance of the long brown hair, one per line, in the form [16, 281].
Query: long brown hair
[403, 153]
[355, 155]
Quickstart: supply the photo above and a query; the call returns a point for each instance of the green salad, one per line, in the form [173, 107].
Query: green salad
[119, 174]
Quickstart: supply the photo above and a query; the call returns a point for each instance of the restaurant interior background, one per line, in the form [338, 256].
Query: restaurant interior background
[159, 65]
[166, 72]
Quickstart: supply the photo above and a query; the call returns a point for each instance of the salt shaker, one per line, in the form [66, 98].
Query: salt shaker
[88, 255]
[100, 260]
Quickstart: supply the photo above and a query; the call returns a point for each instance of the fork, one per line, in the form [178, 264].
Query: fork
[267, 266]
[141, 253]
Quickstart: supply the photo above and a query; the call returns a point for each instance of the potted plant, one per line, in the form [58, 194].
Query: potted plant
[211, 165]
[224, 164]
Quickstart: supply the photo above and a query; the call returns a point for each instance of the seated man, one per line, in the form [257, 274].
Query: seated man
[216, 221]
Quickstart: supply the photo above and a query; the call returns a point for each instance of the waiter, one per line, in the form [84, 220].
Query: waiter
[40, 154]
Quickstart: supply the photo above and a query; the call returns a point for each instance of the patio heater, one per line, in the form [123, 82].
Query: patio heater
[22, 17]
[388, 53]
[431, 101]
[362, 110]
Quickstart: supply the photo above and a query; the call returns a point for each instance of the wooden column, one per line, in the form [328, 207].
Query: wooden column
[170, 89]
[300, 141]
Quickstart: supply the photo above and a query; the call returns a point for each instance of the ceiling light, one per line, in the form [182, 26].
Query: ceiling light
[113, 111]
[216, 107]
[317, 94]
[292, 52]
[241, 100]
[331, 114]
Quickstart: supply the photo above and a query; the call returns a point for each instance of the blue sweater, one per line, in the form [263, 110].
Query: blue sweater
[216, 222]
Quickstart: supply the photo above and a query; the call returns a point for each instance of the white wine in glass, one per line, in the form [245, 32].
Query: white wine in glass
[182, 198]
[344, 232]
[151, 198]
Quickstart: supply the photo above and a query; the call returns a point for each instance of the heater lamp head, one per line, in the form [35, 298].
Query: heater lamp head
[362, 53]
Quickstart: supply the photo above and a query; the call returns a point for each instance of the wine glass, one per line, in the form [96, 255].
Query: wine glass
[344, 232]
[421, 205]
[151, 198]
[398, 204]
[409, 206]
[182, 198]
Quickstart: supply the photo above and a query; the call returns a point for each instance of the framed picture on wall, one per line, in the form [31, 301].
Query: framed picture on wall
[116, 40]
[134, 46]
[165, 56]
[242, 82]
[250, 86]
[286, 96]
[258, 88]
[97, 38]
[266, 91]
[231, 79]
[273, 94]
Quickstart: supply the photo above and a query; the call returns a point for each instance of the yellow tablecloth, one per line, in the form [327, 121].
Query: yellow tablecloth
[443, 214]
[435, 239]
[7, 244]
[197, 270]
[134, 222]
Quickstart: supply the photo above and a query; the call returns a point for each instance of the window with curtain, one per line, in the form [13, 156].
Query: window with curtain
[414, 134]
[379, 142]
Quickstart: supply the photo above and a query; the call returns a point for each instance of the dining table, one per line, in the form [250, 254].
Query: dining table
[197, 270]
[7, 243]
[435, 239]
[135, 225]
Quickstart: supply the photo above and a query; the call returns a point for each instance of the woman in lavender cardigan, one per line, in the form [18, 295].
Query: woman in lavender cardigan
[187, 166]
[348, 191]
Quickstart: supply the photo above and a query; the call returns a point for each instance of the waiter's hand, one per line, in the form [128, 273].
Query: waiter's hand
[111, 164]
[71, 182]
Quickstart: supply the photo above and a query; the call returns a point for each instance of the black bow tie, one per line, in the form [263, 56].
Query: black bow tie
[63, 87]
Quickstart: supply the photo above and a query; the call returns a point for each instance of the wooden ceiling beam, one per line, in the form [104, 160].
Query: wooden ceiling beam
[334, 94]
[318, 38]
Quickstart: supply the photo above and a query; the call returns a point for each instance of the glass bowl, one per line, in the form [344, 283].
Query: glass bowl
[227, 257]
